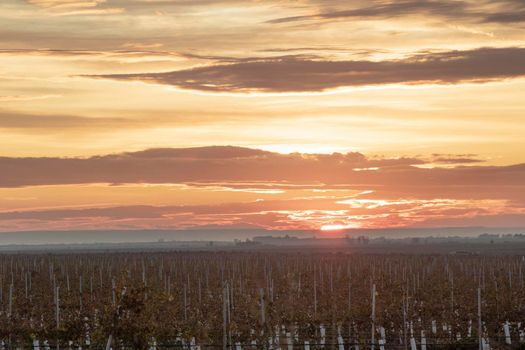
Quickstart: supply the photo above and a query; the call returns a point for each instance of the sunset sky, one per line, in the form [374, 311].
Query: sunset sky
[305, 114]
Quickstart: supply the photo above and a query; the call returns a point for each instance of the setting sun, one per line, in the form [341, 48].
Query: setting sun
[337, 227]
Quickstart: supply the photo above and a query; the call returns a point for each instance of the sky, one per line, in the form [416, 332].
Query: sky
[280, 115]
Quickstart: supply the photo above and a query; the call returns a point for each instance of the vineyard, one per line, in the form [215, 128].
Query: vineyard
[261, 300]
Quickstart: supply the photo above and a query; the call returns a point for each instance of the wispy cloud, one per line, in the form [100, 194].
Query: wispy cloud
[67, 3]
[137, 53]
[499, 11]
[27, 97]
[28, 122]
[76, 7]
[282, 214]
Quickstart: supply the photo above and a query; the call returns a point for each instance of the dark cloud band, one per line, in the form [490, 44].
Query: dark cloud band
[493, 11]
[228, 163]
[294, 74]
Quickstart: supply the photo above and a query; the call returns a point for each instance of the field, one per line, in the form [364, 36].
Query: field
[259, 299]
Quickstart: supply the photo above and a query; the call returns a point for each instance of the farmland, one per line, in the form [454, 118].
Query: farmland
[261, 299]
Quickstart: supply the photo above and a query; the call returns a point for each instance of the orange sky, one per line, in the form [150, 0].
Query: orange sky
[276, 114]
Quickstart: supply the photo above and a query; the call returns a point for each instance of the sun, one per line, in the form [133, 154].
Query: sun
[336, 227]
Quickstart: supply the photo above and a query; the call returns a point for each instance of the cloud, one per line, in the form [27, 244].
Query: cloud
[500, 11]
[76, 7]
[222, 152]
[493, 11]
[387, 9]
[111, 212]
[280, 191]
[32, 122]
[144, 52]
[12, 98]
[220, 164]
[52, 123]
[279, 214]
[124, 55]
[293, 74]
[66, 3]
[456, 159]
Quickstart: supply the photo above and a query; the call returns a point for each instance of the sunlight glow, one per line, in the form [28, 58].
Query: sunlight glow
[337, 227]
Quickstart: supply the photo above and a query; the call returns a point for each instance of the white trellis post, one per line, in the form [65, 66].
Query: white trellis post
[373, 316]
[57, 306]
[340, 342]
[413, 345]
[323, 335]
[263, 319]
[289, 341]
[110, 340]
[480, 336]
[506, 329]
[10, 299]
[224, 318]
